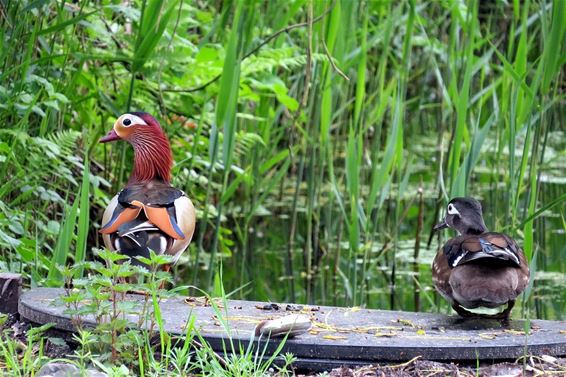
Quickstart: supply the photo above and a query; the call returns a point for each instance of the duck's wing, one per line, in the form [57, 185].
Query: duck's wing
[152, 208]
[441, 275]
[492, 247]
[106, 217]
[158, 204]
[186, 220]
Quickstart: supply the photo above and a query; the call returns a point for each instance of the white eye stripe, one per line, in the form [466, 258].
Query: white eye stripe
[452, 210]
[134, 120]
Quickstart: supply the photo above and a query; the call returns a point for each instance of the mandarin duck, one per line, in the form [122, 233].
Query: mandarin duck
[148, 214]
[478, 268]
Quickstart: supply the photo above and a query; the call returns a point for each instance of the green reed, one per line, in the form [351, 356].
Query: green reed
[314, 123]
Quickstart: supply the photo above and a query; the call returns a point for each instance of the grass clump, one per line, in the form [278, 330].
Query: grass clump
[125, 337]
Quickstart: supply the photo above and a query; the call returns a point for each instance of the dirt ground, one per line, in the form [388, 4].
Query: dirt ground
[531, 366]
[59, 344]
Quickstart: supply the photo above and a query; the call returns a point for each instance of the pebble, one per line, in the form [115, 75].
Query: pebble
[58, 369]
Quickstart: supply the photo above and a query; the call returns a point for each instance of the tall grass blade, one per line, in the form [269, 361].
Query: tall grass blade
[63, 245]
[84, 220]
[226, 109]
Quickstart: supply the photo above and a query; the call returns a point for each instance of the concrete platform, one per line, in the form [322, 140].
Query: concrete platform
[339, 336]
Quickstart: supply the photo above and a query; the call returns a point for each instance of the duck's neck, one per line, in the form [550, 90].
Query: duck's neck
[475, 228]
[475, 231]
[152, 158]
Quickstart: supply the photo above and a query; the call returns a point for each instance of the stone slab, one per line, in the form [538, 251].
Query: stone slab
[10, 290]
[351, 336]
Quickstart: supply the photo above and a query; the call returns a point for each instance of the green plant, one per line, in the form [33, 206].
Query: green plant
[21, 359]
[301, 130]
[143, 344]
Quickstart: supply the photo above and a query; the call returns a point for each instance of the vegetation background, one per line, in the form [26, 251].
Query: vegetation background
[319, 140]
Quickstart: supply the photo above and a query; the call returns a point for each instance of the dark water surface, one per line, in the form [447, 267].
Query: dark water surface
[388, 274]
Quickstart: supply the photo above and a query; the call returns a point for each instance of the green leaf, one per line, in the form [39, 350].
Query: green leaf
[554, 45]
[63, 245]
[64, 24]
[84, 221]
[155, 19]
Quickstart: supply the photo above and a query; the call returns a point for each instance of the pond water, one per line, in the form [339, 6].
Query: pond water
[384, 273]
[394, 279]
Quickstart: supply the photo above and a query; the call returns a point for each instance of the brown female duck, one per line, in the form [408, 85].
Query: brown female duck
[478, 268]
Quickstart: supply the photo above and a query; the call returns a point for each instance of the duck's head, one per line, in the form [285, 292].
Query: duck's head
[152, 158]
[464, 215]
[135, 127]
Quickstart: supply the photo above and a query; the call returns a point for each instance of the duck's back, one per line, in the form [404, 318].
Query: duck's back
[154, 193]
[486, 270]
[149, 215]
[488, 248]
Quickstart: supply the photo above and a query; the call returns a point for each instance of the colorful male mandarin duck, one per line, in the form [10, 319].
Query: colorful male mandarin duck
[478, 268]
[148, 214]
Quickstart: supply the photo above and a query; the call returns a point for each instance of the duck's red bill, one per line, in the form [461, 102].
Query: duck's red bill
[110, 136]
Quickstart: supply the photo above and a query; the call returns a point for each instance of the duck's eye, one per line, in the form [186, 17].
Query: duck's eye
[127, 122]
[452, 210]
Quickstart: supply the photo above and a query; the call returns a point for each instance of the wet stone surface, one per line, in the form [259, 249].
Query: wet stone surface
[339, 336]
